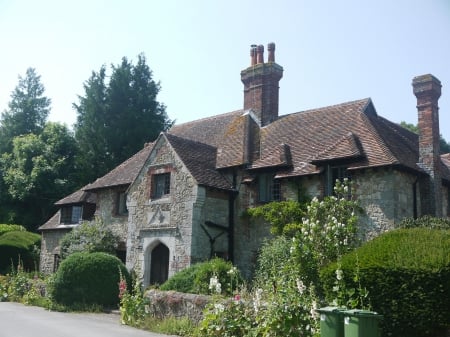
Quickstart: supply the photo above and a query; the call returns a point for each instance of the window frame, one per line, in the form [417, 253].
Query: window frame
[269, 188]
[121, 203]
[68, 216]
[334, 173]
[160, 185]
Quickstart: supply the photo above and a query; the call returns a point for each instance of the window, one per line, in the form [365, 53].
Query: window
[161, 185]
[333, 174]
[269, 188]
[121, 206]
[71, 214]
[56, 262]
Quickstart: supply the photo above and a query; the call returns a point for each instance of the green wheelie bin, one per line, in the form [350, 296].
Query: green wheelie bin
[331, 321]
[362, 323]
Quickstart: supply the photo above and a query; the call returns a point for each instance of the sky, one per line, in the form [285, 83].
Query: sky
[331, 51]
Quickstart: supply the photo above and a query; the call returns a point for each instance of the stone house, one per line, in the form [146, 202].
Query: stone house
[180, 200]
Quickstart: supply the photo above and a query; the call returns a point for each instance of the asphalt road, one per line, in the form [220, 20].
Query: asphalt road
[18, 320]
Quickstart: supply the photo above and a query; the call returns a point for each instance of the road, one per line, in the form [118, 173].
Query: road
[18, 320]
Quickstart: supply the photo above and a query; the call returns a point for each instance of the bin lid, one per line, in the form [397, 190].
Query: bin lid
[359, 312]
[331, 309]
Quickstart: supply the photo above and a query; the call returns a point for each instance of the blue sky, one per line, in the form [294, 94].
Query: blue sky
[331, 51]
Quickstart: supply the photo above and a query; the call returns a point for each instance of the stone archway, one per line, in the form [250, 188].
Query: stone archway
[159, 265]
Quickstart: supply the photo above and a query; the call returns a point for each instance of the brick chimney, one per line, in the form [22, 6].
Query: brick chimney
[427, 90]
[261, 84]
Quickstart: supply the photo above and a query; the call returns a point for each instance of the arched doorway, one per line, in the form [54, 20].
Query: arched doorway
[159, 269]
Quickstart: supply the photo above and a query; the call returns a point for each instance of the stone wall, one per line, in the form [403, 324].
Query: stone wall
[165, 304]
[49, 248]
[106, 210]
[386, 195]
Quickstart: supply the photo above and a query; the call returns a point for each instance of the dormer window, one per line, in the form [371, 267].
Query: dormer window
[160, 185]
[71, 214]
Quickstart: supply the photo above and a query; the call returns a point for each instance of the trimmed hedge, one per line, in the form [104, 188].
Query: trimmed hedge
[89, 278]
[10, 228]
[23, 245]
[195, 279]
[407, 273]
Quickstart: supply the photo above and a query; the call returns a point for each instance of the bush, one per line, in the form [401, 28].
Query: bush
[89, 278]
[89, 237]
[19, 245]
[10, 228]
[196, 279]
[426, 221]
[406, 273]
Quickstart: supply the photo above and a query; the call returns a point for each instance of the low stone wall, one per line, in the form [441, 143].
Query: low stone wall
[175, 304]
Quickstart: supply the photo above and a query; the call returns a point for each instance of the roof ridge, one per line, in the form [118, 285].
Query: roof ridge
[207, 118]
[333, 106]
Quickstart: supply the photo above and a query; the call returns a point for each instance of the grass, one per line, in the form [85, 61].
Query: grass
[169, 325]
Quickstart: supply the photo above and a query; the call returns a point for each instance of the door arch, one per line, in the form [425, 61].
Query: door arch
[159, 264]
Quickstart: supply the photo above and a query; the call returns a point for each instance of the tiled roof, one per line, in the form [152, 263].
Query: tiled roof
[351, 131]
[206, 130]
[200, 160]
[125, 173]
[80, 196]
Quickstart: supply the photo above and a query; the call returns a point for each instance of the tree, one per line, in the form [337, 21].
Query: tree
[116, 119]
[38, 171]
[444, 146]
[28, 110]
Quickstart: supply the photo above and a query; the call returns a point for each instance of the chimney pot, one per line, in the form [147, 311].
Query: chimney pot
[260, 51]
[253, 54]
[271, 50]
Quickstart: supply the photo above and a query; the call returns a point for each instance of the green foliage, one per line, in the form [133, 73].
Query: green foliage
[173, 326]
[406, 273]
[10, 228]
[196, 279]
[38, 171]
[273, 261]
[425, 222]
[183, 281]
[284, 216]
[19, 246]
[27, 111]
[132, 303]
[88, 278]
[115, 119]
[89, 237]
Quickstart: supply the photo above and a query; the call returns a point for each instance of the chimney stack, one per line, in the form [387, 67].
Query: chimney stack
[427, 90]
[261, 84]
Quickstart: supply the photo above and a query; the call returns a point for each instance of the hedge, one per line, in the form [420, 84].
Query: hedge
[23, 245]
[89, 278]
[406, 273]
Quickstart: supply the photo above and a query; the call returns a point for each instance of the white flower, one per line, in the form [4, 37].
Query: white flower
[336, 288]
[219, 308]
[215, 285]
[300, 286]
[339, 274]
[232, 271]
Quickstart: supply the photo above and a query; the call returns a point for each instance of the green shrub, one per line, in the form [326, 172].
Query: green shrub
[89, 237]
[19, 245]
[406, 273]
[196, 279]
[10, 228]
[89, 278]
[273, 259]
[425, 222]
[183, 281]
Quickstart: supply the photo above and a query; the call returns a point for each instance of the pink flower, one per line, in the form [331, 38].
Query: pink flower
[122, 287]
[237, 297]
